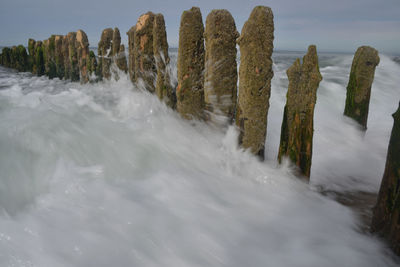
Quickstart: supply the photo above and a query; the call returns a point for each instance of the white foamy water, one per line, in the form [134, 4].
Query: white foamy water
[106, 175]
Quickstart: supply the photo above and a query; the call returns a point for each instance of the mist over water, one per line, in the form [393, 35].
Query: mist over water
[106, 175]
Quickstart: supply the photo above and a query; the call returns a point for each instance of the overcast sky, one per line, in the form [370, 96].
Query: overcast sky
[333, 25]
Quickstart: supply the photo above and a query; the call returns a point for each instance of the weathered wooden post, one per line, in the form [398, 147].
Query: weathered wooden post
[65, 55]
[118, 52]
[82, 51]
[255, 74]
[190, 90]
[92, 64]
[163, 88]
[22, 62]
[145, 66]
[6, 57]
[386, 215]
[131, 53]
[73, 61]
[105, 53]
[298, 117]
[362, 74]
[49, 57]
[220, 81]
[58, 56]
[39, 58]
[31, 53]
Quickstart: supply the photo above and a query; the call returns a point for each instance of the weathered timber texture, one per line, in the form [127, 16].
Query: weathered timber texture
[220, 81]
[82, 50]
[255, 73]
[145, 66]
[298, 118]
[92, 64]
[163, 88]
[190, 90]
[105, 53]
[31, 52]
[59, 56]
[73, 61]
[120, 59]
[39, 58]
[118, 52]
[131, 53]
[386, 215]
[359, 87]
[49, 57]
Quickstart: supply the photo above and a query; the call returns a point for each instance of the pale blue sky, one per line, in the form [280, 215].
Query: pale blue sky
[333, 25]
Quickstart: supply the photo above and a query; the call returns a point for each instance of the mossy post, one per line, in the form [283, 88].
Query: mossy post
[255, 74]
[58, 56]
[131, 53]
[73, 57]
[39, 58]
[118, 52]
[92, 64]
[22, 62]
[386, 215]
[105, 53]
[362, 74]
[82, 50]
[65, 55]
[190, 90]
[145, 66]
[220, 81]
[6, 57]
[14, 57]
[163, 88]
[298, 117]
[49, 56]
[31, 52]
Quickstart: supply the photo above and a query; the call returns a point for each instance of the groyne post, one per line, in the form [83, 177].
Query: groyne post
[220, 79]
[82, 50]
[362, 74]
[163, 87]
[145, 66]
[190, 90]
[386, 214]
[255, 74]
[105, 53]
[298, 118]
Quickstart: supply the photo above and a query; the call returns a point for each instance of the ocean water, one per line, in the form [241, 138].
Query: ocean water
[106, 175]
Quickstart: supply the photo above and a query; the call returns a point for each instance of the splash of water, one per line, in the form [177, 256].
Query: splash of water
[105, 174]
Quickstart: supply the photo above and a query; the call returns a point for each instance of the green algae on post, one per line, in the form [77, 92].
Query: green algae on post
[298, 118]
[362, 74]
[163, 87]
[386, 216]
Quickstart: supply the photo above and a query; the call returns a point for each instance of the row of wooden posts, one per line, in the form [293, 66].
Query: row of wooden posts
[207, 83]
